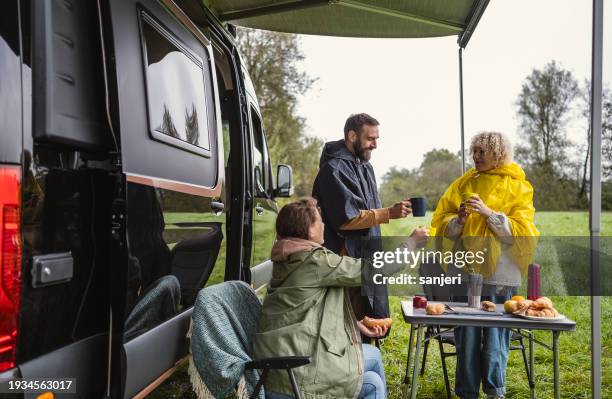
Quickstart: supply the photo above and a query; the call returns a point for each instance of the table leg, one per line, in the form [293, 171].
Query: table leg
[531, 365]
[556, 363]
[408, 356]
[415, 371]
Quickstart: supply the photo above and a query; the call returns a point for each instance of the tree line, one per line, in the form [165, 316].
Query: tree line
[550, 99]
[558, 168]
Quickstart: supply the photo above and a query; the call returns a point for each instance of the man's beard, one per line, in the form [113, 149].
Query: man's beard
[361, 153]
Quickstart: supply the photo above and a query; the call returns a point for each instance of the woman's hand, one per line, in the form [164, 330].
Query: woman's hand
[476, 204]
[419, 236]
[374, 332]
[462, 215]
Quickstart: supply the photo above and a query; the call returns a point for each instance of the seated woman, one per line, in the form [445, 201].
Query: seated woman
[306, 312]
[489, 208]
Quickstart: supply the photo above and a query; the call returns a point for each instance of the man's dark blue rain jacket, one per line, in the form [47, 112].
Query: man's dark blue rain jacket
[343, 187]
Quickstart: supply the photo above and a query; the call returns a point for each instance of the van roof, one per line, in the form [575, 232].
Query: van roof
[356, 18]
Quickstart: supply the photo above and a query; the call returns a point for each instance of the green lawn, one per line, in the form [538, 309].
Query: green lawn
[575, 347]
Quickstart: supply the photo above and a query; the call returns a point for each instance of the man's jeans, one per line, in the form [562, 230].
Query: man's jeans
[374, 383]
[482, 353]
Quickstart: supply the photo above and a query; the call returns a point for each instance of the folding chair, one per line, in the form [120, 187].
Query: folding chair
[226, 330]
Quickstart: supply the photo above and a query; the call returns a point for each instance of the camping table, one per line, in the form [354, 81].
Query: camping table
[418, 319]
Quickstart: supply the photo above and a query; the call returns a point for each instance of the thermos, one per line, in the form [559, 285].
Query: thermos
[534, 282]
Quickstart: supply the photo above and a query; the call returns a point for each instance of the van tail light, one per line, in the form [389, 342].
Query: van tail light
[10, 263]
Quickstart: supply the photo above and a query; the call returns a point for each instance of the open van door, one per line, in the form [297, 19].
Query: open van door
[169, 219]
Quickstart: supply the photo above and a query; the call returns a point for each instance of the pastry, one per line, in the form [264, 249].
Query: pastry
[524, 304]
[371, 323]
[488, 306]
[533, 312]
[434, 308]
[543, 303]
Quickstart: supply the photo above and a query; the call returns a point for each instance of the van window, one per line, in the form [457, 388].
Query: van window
[261, 161]
[176, 92]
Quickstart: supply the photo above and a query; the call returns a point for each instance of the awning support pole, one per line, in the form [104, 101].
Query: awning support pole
[461, 110]
[595, 209]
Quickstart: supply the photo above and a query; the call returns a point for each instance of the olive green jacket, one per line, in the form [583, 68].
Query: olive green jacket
[306, 312]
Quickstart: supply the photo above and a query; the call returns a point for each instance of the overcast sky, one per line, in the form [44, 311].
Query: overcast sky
[411, 85]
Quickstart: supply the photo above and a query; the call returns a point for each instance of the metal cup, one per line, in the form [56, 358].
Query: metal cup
[474, 290]
[466, 196]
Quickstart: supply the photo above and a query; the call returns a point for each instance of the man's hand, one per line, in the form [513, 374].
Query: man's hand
[462, 215]
[373, 332]
[419, 236]
[400, 209]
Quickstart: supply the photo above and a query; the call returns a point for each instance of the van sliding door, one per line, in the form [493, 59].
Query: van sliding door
[172, 159]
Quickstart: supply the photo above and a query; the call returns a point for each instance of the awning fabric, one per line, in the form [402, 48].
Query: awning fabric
[356, 18]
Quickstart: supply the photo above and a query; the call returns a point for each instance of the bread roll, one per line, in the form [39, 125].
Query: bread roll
[488, 306]
[371, 323]
[434, 308]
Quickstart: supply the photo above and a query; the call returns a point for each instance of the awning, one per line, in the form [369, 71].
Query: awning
[356, 18]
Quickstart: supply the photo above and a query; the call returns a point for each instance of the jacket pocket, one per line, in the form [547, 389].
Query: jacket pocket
[336, 347]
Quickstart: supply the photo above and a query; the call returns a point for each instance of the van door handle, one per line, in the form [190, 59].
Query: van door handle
[259, 209]
[217, 207]
[52, 269]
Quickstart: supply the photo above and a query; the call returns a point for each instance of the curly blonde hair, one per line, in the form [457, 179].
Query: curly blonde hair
[493, 143]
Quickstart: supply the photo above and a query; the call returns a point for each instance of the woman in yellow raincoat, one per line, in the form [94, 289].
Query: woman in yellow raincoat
[489, 209]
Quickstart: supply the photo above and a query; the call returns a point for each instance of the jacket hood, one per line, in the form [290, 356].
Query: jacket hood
[286, 247]
[336, 149]
[512, 169]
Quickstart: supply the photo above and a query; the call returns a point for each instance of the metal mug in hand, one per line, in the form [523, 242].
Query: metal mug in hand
[466, 196]
[419, 206]
[474, 290]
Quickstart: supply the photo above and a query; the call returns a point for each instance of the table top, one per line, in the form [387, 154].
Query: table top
[500, 319]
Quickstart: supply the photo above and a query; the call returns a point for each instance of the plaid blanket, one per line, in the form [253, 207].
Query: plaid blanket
[223, 322]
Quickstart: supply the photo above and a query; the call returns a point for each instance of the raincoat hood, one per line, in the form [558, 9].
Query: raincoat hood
[512, 170]
[336, 149]
[285, 247]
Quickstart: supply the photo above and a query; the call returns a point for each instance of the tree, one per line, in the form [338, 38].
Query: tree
[167, 125]
[437, 171]
[272, 60]
[606, 145]
[397, 184]
[543, 106]
[192, 131]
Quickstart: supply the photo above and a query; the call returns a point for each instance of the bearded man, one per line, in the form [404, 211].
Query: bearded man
[345, 188]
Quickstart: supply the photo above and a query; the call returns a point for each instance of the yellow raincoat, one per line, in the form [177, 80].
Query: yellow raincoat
[503, 189]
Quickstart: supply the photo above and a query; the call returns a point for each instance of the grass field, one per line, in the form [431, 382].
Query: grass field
[574, 347]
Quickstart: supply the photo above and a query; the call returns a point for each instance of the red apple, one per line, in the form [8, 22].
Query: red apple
[419, 302]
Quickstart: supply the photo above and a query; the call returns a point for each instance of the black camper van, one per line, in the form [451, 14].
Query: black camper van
[133, 163]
